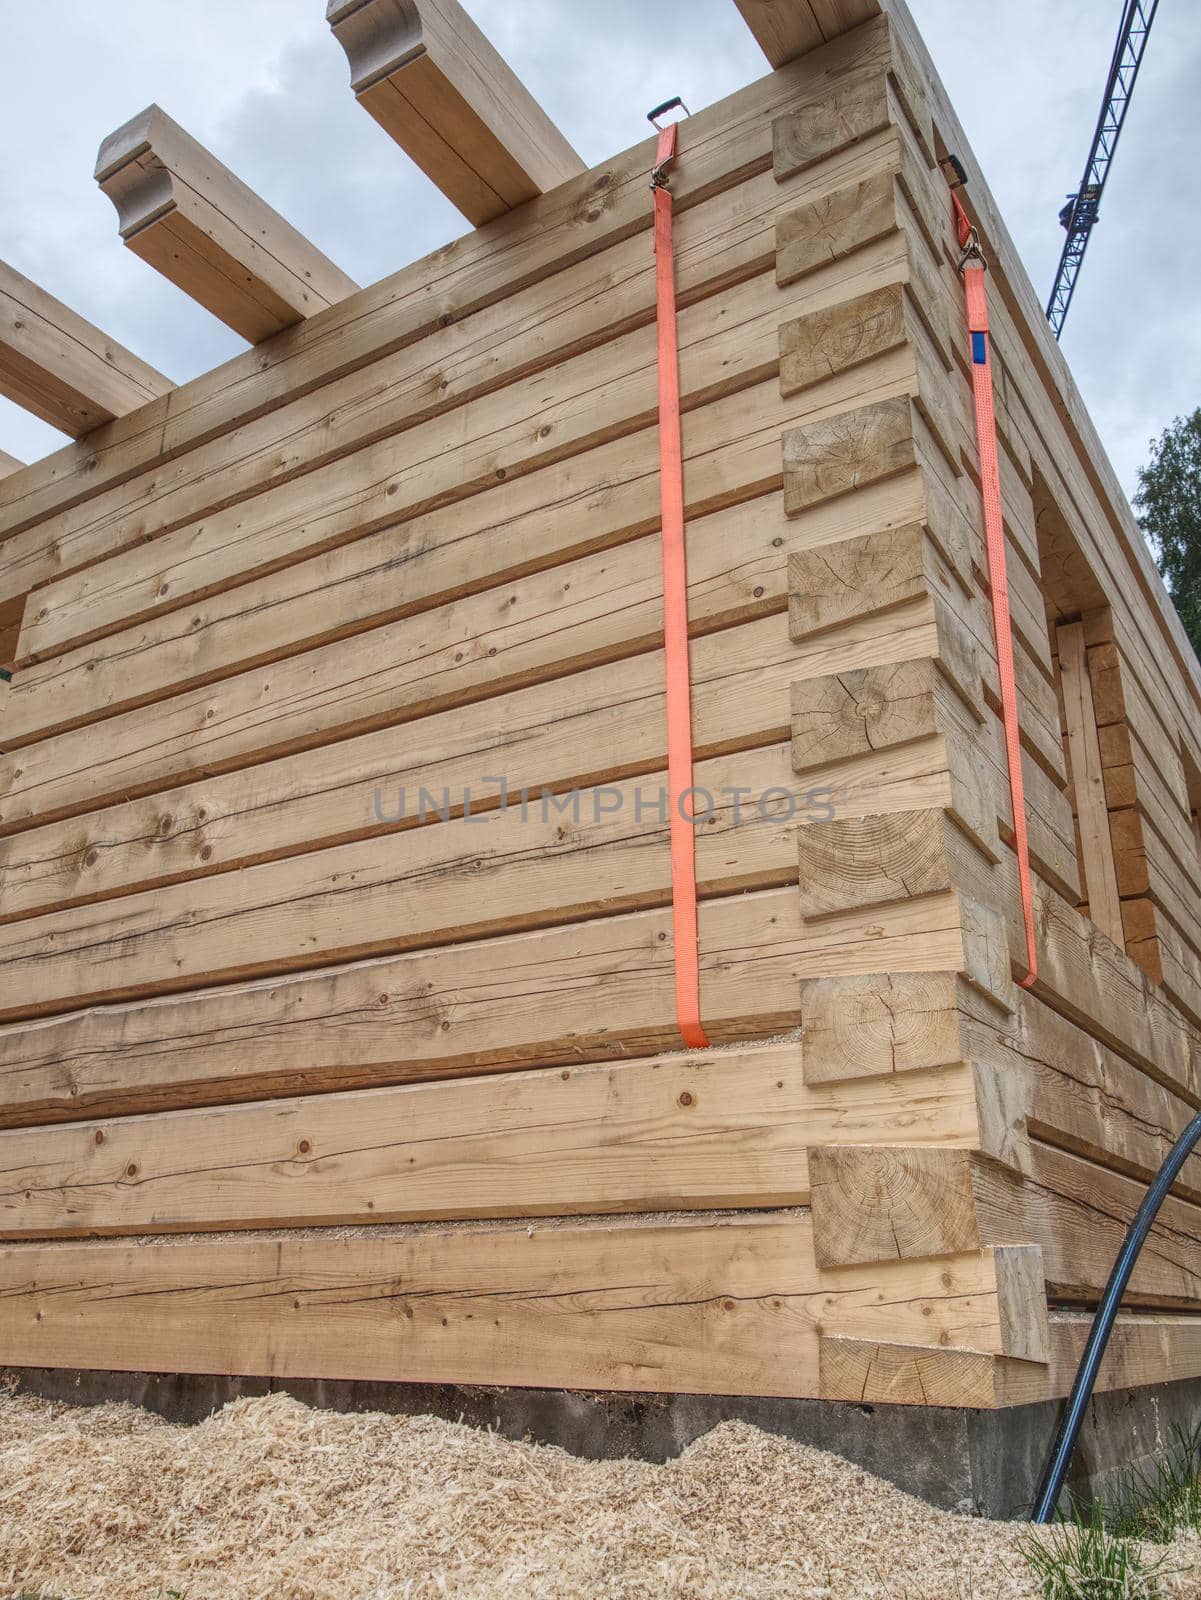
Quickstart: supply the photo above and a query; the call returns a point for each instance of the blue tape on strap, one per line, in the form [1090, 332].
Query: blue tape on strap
[979, 349]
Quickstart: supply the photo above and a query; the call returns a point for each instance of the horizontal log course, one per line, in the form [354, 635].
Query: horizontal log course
[588, 401]
[1079, 1213]
[710, 1129]
[605, 987]
[1088, 1099]
[593, 852]
[728, 144]
[1145, 1347]
[282, 711]
[733, 440]
[722, 241]
[62, 369]
[604, 724]
[720, 1305]
[182, 211]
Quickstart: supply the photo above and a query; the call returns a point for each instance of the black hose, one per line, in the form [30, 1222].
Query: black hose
[1086, 1375]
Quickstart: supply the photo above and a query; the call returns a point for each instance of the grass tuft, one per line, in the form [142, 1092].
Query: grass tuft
[1084, 1560]
[1162, 1501]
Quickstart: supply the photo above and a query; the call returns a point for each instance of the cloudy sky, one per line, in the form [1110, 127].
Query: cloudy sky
[263, 84]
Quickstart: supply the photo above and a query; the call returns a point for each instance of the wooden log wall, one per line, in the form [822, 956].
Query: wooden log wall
[337, 1017]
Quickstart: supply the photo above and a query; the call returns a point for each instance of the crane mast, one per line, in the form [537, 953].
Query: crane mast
[1080, 214]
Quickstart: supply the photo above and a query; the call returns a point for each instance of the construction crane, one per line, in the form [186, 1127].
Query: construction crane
[1080, 214]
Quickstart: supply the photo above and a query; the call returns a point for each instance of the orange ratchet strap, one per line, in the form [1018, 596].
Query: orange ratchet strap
[675, 607]
[973, 266]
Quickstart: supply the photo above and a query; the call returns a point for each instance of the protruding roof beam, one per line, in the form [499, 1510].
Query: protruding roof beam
[189, 216]
[786, 29]
[432, 81]
[8, 464]
[60, 367]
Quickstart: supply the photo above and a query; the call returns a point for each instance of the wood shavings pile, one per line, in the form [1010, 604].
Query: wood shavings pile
[270, 1500]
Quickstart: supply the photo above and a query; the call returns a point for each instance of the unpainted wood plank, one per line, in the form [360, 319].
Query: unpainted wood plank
[9, 463]
[186, 214]
[145, 662]
[783, 29]
[821, 343]
[876, 1204]
[707, 1129]
[1079, 1213]
[595, 726]
[1088, 1099]
[1144, 1348]
[62, 369]
[727, 144]
[592, 400]
[604, 988]
[1100, 879]
[881, 859]
[341, 690]
[720, 241]
[885, 1373]
[898, 194]
[833, 457]
[725, 1305]
[881, 1023]
[533, 862]
[438, 87]
[848, 112]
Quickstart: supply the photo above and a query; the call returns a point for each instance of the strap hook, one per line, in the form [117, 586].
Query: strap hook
[973, 251]
[659, 176]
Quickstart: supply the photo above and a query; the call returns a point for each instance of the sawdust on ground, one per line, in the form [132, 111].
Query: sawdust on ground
[271, 1500]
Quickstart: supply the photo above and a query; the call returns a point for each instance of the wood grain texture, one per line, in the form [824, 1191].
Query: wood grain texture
[1144, 1348]
[436, 86]
[721, 1129]
[57, 365]
[720, 242]
[727, 144]
[883, 1373]
[610, 446]
[712, 1305]
[1100, 879]
[186, 214]
[873, 572]
[605, 987]
[822, 343]
[889, 1022]
[848, 113]
[877, 860]
[593, 726]
[843, 453]
[783, 29]
[552, 861]
[878, 1204]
